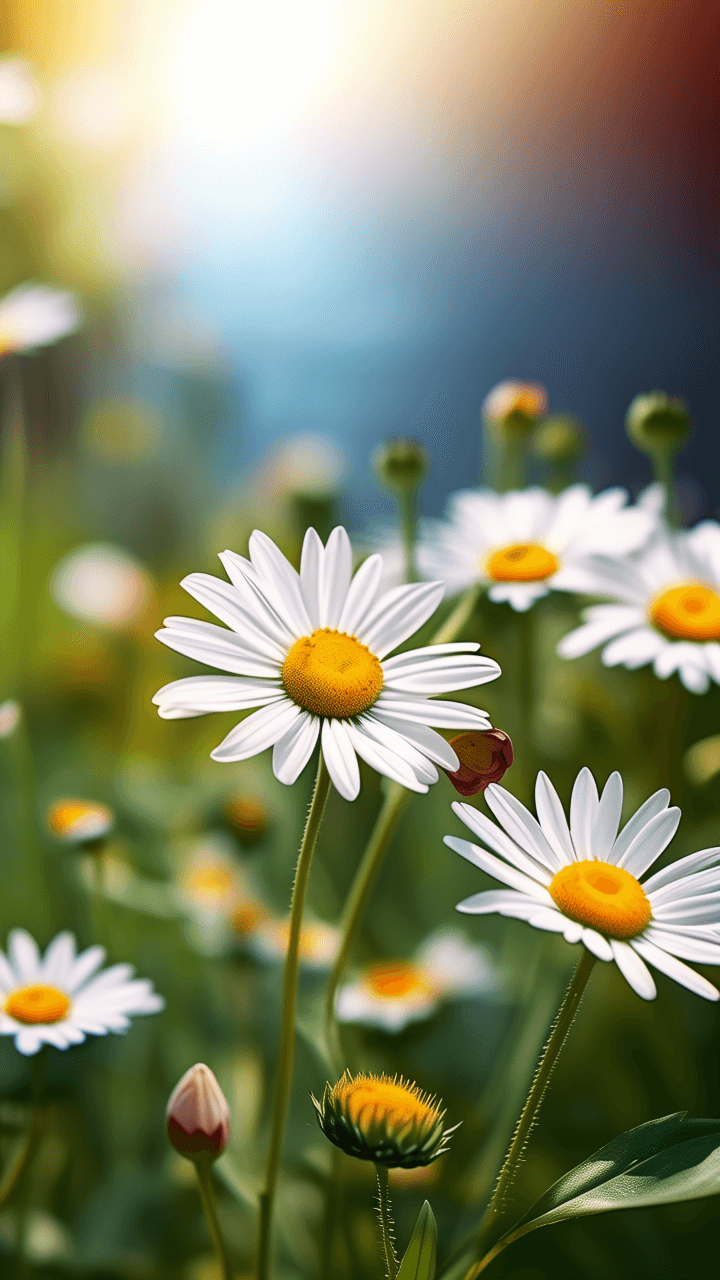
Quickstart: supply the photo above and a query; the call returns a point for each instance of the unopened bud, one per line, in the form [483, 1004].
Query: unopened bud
[656, 422]
[513, 408]
[198, 1116]
[400, 464]
[485, 756]
[558, 440]
[247, 818]
[387, 1120]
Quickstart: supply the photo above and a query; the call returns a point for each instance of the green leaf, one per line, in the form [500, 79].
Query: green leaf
[421, 1257]
[660, 1162]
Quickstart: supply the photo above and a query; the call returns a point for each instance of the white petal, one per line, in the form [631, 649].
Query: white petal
[701, 910]
[258, 731]
[607, 819]
[553, 820]
[552, 921]
[687, 886]
[340, 759]
[29, 1041]
[389, 738]
[313, 554]
[583, 811]
[59, 960]
[694, 677]
[24, 955]
[655, 804]
[361, 595]
[441, 675]
[695, 862]
[335, 575]
[383, 760]
[280, 582]
[675, 969]
[650, 842]
[573, 931]
[689, 944]
[430, 743]
[244, 610]
[200, 695]
[412, 658]
[521, 826]
[504, 902]
[85, 965]
[292, 752]
[606, 621]
[257, 610]
[442, 714]
[218, 647]
[521, 596]
[501, 843]
[634, 649]
[595, 942]
[499, 870]
[398, 614]
[635, 973]
[8, 979]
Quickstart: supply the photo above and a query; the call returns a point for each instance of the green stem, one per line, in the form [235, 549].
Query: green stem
[408, 522]
[357, 901]
[490, 1227]
[209, 1204]
[387, 1226]
[662, 465]
[283, 1080]
[459, 617]
[512, 461]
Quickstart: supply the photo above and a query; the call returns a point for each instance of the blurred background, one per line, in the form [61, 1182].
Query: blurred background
[295, 230]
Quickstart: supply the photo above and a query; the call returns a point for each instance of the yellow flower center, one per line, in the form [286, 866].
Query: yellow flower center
[603, 897]
[522, 562]
[247, 917]
[689, 612]
[396, 979]
[79, 820]
[37, 1004]
[332, 674]
[370, 1099]
[214, 883]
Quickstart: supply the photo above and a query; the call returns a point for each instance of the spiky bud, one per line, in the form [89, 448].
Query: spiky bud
[485, 756]
[384, 1119]
[197, 1116]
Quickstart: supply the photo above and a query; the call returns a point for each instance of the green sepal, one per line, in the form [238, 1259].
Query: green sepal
[420, 1259]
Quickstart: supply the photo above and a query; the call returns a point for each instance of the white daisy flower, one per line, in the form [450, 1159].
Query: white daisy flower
[101, 584]
[35, 315]
[665, 610]
[310, 650]
[525, 543]
[393, 993]
[269, 940]
[584, 880]
[80, 821]
[56, 1000]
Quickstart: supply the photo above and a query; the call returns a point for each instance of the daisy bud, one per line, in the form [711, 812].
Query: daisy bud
[485, 756]
[400, 465]
[656, 422]
[247, 818]
[513, 408]
[198, 1116]
[383, 1119]
[80, 822]
[558, 440]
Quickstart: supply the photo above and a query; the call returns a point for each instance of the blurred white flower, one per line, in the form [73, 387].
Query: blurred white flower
[525, 543]
[665, 608]
[216, 894]
[20, 96]
[511, 397]
[90, 108]
[10, 716]
[34, 315]
[393, 993]
[56, 1000]
[318, 942]
[103, 584]
[79, 821]
[312, 465]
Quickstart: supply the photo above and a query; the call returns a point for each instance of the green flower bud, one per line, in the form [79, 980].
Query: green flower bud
[384, 1119]
[400, 464]
[512, 408]
[558, 440]
[656, 422]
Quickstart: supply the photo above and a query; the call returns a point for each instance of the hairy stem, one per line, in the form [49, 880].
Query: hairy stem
[387, 1226]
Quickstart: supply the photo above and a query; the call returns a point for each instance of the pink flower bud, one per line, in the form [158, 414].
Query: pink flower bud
[484, 758]
[197, 1115]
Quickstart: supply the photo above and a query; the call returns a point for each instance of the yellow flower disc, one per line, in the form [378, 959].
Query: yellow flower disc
[370, 1100]
[522, 562]
[602, 897]
[689, 612]
[37, 1004]
[396, 979]
[332, 674]
[212, 883]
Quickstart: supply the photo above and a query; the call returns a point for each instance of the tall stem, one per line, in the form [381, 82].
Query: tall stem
[662, 465]
[387, 1226]
[491, 1225]
[408, 522]
[283, 1079]
[209, 1204]
[527, 695]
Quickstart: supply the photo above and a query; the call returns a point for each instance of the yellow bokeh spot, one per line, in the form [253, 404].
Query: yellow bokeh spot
[688, 612]
[7, 343]
[79, 820]
[332, 674]
[602, 897]
[396, 980]
[247, 917]
[214, 882]
[522, 562]
[368, 1100]
[37, 1004]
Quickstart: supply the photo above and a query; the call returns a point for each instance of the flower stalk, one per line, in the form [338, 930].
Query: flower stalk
[387, 1226]
[283, 1080]
[209, 1204]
